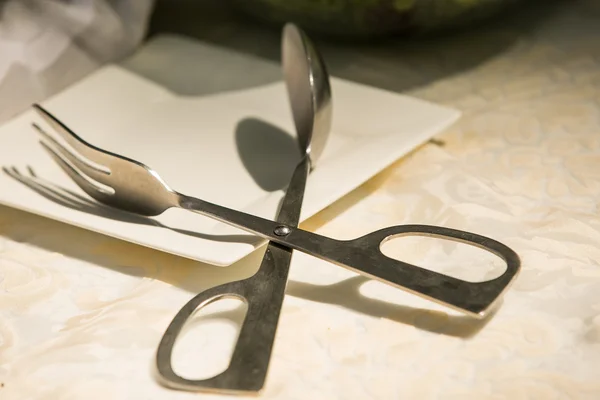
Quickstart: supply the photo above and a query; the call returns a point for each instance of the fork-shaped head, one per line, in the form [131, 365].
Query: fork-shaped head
[109, 178]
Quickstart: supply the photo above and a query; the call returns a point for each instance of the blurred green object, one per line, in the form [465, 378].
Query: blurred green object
[367, 18]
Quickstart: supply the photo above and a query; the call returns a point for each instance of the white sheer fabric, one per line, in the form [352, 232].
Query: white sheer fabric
[45, 45]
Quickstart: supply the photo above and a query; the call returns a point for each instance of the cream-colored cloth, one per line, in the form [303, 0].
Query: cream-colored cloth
[81, 315]
[46, 45]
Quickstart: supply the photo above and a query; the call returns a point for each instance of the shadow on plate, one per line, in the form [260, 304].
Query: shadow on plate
[268, 153]
[75, 201]
[202, 69]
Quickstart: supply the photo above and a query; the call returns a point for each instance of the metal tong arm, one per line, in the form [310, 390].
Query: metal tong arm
[363, 255]
[263, 294]
[247, 370]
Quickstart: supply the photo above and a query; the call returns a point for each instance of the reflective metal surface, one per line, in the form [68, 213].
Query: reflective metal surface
[309, 91]
[264, 292]
[140, 190]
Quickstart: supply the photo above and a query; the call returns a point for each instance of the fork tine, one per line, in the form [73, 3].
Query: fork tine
[94, 191]
[80, 145]
[87, 168]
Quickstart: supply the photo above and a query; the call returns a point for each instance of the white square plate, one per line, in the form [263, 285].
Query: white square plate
[235, 148]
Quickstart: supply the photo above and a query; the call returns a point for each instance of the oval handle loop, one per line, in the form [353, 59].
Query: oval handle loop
[476, 298]
[248, 367]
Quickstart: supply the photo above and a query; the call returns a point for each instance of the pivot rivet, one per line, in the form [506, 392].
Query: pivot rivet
[282, 230]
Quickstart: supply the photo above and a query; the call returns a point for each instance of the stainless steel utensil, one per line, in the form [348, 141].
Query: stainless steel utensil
[309, 93]
[136, 188]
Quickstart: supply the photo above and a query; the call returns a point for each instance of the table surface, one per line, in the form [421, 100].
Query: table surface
[81, 314]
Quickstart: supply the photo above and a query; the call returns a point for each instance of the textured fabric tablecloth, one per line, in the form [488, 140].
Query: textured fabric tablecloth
[81, 314]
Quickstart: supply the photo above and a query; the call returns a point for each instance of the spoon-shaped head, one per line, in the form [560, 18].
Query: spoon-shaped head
[309, 91]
